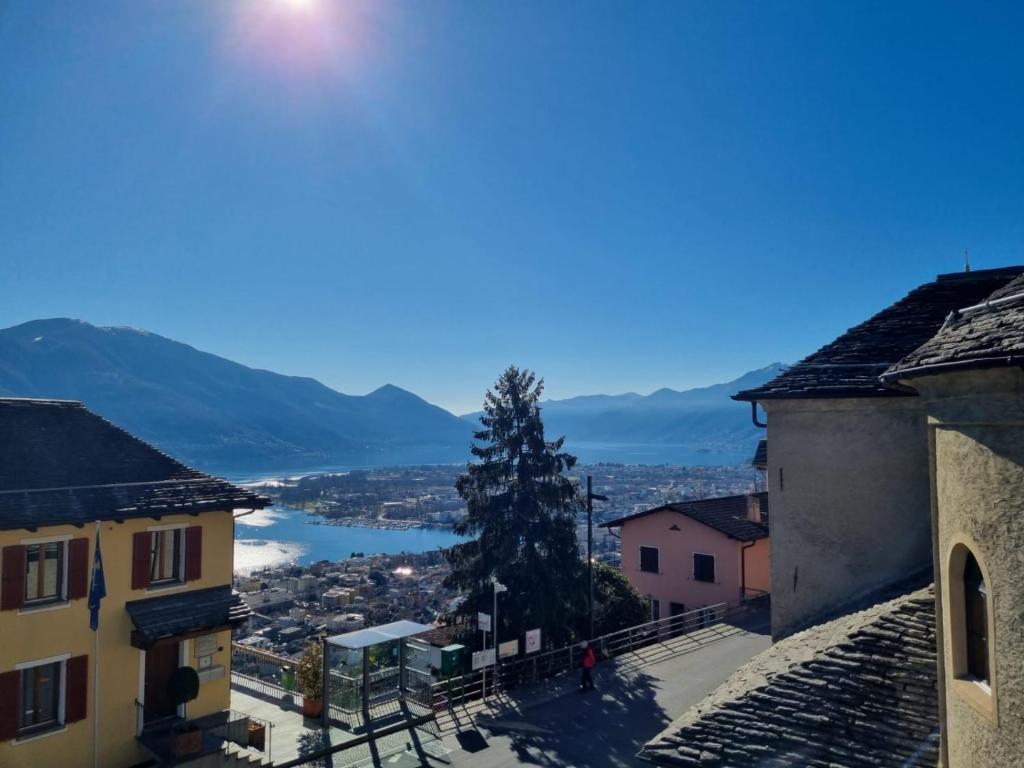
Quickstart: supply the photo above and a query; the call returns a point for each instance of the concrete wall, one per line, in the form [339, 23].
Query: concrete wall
[40, 634]
[849, 497]
[977, 424]
[675, 582]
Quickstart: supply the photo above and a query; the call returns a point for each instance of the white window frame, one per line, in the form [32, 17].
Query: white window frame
[179, 578]
[714, 567]
[640, 561]
[48, 604]
[62, 692]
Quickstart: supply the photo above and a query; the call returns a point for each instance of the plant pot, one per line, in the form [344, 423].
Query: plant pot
[312, 707]
[258, 736]
[188, 742]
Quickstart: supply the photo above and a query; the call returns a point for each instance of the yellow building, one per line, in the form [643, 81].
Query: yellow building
[166, 533]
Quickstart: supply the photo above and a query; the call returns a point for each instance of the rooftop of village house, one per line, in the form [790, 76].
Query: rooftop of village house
[62, 463]
[851, 365]
[727, 514]
[989, 334]
[858, 691]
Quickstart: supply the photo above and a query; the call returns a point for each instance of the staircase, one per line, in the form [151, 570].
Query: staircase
[230, 756]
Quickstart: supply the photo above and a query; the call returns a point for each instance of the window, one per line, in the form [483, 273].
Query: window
[649, 559]
[975, 620]
[704, 567]
[40, 697]
[165, 556]
[655, 609]
[44, 572]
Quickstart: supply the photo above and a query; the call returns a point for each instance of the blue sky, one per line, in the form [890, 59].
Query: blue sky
[622, 196]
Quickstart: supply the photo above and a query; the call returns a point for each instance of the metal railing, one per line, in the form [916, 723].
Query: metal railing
[173, 740]
[510, 674]
[263, 674]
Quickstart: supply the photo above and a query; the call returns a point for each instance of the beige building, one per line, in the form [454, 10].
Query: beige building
[970, 380]
[894, 677]
[848, 459]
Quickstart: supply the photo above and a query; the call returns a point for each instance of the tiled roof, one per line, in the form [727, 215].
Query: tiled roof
[62, 463]
[761, 455]
[857, 692]
[727, 514]
[986, 335]
[179, 613]
[851, 365]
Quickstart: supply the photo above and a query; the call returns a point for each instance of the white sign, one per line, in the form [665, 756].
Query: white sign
[205, 645]
[533, 641]
[483, 622]
[508, 648]
[483, 659]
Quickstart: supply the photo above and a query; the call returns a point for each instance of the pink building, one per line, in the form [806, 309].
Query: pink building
[697, 553]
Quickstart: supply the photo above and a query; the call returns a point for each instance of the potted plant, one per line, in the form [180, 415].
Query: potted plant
[183, 687]
[310, 677]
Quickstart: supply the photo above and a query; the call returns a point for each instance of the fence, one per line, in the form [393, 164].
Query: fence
[512, 674]
[263, 674]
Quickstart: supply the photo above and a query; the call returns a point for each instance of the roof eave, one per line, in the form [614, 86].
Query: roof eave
[892, 378]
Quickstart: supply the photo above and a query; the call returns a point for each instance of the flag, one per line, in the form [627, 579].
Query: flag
[98, 588]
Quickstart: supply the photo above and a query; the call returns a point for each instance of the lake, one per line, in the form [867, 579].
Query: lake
[280, 534]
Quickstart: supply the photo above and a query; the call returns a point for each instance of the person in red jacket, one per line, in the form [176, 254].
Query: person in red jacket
[586, 664]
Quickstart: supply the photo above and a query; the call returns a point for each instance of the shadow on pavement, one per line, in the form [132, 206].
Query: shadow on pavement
[605, 727]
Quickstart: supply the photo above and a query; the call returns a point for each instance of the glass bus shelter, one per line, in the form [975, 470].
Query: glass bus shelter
[374, 665]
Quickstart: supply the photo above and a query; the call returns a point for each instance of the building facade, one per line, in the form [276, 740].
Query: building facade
[848, 459]
[970, 379]
[67, 479]
[694, 554]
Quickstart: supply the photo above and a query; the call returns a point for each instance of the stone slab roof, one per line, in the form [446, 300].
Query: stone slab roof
[856, 692]
[182, 613]
[62, 463]
[727, 514]
[987, 335]
[851, 365]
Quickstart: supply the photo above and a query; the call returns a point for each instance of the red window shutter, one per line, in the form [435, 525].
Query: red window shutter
[10, 705]
[140, 560]
[78, 568]
[12, 589]
[77, 691]
[193, 552]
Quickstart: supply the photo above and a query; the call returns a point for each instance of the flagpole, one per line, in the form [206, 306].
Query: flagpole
[96, 683]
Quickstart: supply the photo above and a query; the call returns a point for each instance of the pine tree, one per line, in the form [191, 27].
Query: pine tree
[521, 514]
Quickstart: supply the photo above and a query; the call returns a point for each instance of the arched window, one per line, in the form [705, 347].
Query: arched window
[975, 620]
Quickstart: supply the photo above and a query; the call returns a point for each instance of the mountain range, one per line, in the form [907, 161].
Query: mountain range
[226, 417]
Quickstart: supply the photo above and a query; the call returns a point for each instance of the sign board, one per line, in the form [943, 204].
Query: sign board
[533, 641]
[205, 645]
[508, 648]
[483, 622]
[483, 659]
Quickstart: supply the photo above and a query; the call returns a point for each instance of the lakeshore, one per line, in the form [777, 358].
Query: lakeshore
[280, 534]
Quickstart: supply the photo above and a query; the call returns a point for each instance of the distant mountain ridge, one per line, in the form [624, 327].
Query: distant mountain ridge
[703, 421]
[225, 417]
[218, 414]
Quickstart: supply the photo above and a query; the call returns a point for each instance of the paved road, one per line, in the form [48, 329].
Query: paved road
[555, 726]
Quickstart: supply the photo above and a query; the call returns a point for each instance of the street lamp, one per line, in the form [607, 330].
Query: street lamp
[498, 588]
[591, 498]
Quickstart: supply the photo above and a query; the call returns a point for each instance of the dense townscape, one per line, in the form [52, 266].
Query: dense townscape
[293, 603]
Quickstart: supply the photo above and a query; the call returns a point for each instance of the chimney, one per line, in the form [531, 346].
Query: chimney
[754, 507]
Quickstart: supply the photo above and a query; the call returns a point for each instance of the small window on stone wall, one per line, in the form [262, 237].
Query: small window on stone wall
[975, 620]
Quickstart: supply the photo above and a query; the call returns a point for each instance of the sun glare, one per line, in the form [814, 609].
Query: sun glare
[299, 38]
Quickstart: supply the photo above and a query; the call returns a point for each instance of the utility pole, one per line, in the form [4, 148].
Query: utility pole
[591, 497]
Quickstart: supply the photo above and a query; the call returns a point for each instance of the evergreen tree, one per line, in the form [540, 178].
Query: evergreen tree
[617, 604]
[521, 514]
